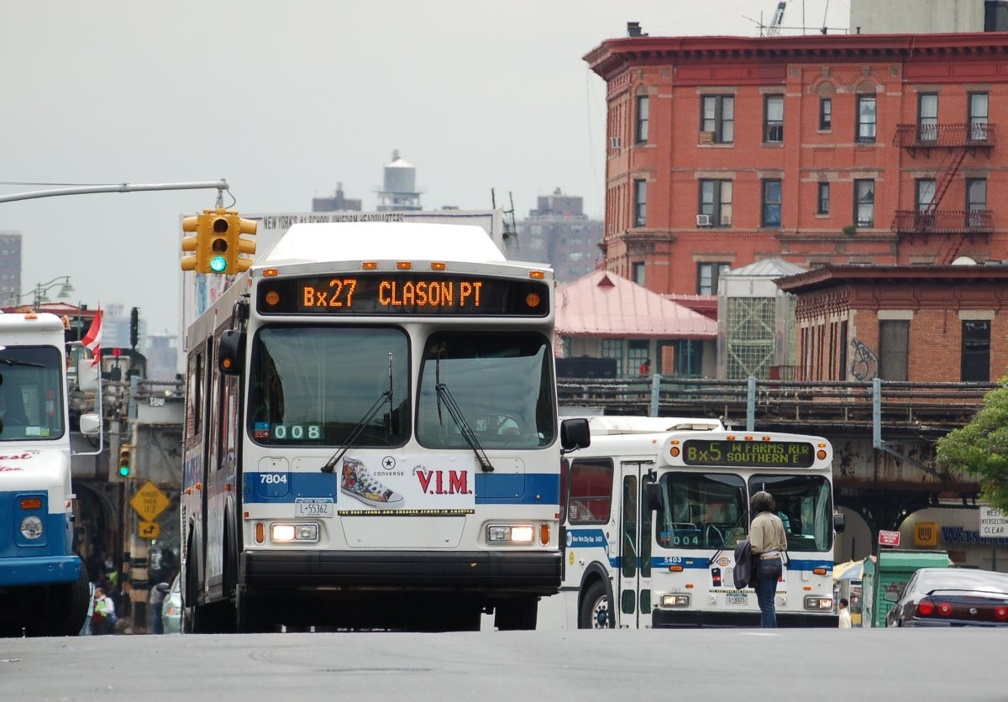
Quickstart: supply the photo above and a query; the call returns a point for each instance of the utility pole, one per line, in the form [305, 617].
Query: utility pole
[220, 185]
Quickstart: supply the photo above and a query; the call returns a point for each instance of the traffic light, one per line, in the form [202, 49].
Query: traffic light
[125, 461]
[134, 327]
[218, 246]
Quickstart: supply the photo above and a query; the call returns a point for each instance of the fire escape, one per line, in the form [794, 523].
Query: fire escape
[954, 142]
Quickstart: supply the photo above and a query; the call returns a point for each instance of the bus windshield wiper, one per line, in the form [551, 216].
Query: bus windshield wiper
[14, 362]
[444, 396]
[386, 396]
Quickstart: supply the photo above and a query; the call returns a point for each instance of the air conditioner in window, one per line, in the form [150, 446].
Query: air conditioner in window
[706, 137]
[703, 220]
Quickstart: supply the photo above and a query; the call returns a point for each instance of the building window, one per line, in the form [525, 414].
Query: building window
[708, 275]
[773, 119]
[866, 119]
[927, 117]
[640, 203]
[771, 215]
[613, 348]
[823, 200]
[925, 189]
[642, 119]
[976, 336]
[864, 203]
[715, 203]
[976, 202]
[638, 273]
[978, 116]
[825, 113]
[717, 119]
[894, 347]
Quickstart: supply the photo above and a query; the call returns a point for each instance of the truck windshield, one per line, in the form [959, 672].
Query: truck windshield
[500, 383]
[32, 393]
[313, 386]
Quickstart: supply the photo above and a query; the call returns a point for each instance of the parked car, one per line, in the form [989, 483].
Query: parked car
[171, 609]
[952, 597]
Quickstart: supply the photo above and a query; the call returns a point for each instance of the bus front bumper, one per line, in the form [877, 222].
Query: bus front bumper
[535, 573]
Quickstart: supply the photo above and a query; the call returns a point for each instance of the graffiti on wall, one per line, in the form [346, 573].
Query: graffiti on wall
[865, 363]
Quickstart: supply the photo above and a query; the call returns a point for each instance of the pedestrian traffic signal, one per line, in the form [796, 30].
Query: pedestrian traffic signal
[125, 467]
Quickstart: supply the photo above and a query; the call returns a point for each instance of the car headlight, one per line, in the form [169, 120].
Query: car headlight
[675, 600]
[510, 533]
[32, 527]
[285, 533]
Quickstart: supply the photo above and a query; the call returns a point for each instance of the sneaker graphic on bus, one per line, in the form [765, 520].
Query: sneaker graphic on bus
[358, 482]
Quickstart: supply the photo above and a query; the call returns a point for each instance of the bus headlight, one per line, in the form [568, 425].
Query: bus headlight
[818, 604]
[510, 533]
[32, 527]
[675, 600]
[281, 533]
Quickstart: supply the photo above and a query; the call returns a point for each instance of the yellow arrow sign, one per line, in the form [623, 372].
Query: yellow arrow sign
[149, 530]
[149, 502]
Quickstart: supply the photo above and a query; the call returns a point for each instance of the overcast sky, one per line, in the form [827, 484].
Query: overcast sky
[287, 99]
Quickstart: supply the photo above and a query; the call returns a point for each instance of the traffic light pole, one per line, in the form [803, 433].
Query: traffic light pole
[219, 185]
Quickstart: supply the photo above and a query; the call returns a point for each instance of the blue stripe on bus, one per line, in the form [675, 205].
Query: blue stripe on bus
[491, 488]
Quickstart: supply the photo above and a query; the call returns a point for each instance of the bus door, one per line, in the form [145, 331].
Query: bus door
[633, 591]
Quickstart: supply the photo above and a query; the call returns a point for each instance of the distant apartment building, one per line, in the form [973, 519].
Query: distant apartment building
[836, 149]
[558, 232]
[10, 268]
[337, 203]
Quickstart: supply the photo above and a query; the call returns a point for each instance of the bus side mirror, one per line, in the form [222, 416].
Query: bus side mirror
[230, 352]
[574, 434]
[653, 495]
[87, 374]
[90, 424]
[839, 522]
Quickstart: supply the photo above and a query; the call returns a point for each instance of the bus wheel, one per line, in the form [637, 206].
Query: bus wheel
[595, 608]
[517, 613]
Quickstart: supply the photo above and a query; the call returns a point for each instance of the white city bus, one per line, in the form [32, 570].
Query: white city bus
[372, 438]
[655, 507]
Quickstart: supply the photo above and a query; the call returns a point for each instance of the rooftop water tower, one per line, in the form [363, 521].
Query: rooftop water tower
[399, 190]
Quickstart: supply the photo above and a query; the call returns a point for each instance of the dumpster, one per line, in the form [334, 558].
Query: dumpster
[885, 575]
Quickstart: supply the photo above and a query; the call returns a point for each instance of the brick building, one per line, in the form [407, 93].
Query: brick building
[838, 149]
[913, 323]
[558, 232]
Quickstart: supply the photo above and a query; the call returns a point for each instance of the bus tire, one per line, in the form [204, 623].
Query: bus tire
[595, 612]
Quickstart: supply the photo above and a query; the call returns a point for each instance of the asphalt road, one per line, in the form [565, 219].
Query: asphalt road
[615, 666]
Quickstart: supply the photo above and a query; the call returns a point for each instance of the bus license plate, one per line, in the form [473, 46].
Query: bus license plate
[738, 598]
[314, 506]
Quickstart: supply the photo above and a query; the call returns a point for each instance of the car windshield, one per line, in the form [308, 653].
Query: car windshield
[962, 579]
[315, 385]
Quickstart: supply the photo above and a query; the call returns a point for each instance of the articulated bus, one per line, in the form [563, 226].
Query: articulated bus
[372, 437]
[654, 509]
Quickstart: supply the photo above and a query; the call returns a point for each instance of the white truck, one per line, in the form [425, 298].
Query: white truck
[44, 589]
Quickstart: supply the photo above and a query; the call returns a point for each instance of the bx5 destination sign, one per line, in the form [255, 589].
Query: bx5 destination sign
[726, 452]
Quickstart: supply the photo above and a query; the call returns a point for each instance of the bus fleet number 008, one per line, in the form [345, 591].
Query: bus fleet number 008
[297, 432]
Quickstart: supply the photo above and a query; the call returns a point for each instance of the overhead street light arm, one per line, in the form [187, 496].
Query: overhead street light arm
[220, 185]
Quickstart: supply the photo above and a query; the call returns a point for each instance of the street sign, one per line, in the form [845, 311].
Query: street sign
[888, 538]
[993, 523]
[149, 502]
[149, 530]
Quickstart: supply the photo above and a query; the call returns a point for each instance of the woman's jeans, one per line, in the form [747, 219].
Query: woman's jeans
[770, 571]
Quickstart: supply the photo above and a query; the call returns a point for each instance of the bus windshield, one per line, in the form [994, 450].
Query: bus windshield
[803, 504]
[501, 383]
[313, 385]
[701, 510]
